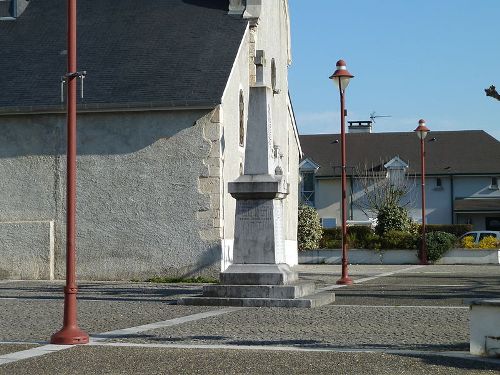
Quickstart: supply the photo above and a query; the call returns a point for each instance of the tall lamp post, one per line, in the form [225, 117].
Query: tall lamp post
[70, 333]
[421, 132]
[341, 78]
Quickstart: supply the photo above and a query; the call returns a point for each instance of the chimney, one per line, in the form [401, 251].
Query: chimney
[236, 7]
[360, 127]
[12, 9]
[248, 9]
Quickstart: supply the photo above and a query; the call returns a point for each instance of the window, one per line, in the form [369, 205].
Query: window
[307, 193]
[396, 176]
[328, 223]
[493, 223]
[494, 183]
[273, 77]
[439, 184]
[242, 119]
[482, 236]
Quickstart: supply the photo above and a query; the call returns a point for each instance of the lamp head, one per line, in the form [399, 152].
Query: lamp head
[341, 76]
[422, 130]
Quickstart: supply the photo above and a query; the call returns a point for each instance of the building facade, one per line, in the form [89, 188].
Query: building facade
[462, 172]
[161, 132]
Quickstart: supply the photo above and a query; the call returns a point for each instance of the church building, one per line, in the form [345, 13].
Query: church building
[163, 116]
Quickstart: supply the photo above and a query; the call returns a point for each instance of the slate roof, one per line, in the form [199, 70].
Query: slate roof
[136, 53]
[477, 204]
[452, 152]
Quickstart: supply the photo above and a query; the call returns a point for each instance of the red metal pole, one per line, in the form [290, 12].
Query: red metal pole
[70, 333]
[423, 252]
[345, 279]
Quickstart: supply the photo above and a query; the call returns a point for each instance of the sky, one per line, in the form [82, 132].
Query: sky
[429, 59]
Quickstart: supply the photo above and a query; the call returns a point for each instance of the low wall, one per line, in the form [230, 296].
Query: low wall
[364, 256]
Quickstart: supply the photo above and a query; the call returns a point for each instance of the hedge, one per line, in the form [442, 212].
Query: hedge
[455, 229]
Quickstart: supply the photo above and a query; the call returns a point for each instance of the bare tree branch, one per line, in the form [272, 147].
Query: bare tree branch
[491, 91]
[379, 190]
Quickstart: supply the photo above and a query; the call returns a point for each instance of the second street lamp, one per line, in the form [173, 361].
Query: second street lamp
[421, 132]
[341, 79]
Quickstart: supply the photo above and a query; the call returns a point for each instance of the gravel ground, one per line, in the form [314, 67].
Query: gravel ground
[325, 327]
[418, 309]
[98, 360]
[32, 311]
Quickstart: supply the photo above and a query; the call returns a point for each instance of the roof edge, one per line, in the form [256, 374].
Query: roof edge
[174, 105]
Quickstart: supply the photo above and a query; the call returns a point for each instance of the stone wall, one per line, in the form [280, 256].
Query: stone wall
[145, 202]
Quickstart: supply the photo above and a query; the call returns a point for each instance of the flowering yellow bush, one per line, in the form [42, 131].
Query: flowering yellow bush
[489, 242]
[468, 242]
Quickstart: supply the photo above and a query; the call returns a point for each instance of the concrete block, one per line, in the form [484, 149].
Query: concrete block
[27, 250]
[468, 256]
[258, 274]
[209, 185]
[485, 327]
[213, 162]
[297, 290]
[212, 131]
[315, 300]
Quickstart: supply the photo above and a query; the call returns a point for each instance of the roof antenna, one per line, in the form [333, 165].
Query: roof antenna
[64, 79]
[373, 116]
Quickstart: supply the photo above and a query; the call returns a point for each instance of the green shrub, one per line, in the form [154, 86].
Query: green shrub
[331, 239]
[438, 243]
[392, 218]
[373, 241]
[309, 230]
[455, 229]
[396, 239]
[359, 236]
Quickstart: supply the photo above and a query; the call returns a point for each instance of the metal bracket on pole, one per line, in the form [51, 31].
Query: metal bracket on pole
[64, 79]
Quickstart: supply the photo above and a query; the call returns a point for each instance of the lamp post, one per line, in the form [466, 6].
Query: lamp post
[341, 78]
[421, 132]
[70, 333]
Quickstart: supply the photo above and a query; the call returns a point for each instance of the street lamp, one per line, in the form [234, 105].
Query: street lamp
[341, 79]
[70, 333]
[421, 132]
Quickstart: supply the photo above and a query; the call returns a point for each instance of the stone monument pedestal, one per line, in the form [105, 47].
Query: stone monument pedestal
[259, 275]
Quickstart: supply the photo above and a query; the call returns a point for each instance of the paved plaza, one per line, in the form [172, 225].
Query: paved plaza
[394, 320]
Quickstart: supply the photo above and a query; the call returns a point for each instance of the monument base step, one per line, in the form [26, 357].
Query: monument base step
[312, 300]
[293, 291]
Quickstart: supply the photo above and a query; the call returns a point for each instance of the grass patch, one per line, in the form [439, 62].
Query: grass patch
[183, 280]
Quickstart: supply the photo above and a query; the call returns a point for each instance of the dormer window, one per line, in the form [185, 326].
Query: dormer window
[307, 169]
[396, 170]
[12, 9]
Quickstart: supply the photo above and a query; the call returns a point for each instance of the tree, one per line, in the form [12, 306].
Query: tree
[491, 91]
[382, 189]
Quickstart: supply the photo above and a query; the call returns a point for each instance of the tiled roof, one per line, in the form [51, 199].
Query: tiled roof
[135, 52]
[447, 152]
[490, 204]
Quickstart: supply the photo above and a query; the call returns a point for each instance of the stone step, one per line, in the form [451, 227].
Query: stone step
[312, 300]
[295, 290]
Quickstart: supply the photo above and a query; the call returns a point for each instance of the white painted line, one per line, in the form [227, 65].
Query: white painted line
[404, 307]
[23, 342]
[463, 355]
[359, 281]
[32, 353]
[166, 323]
